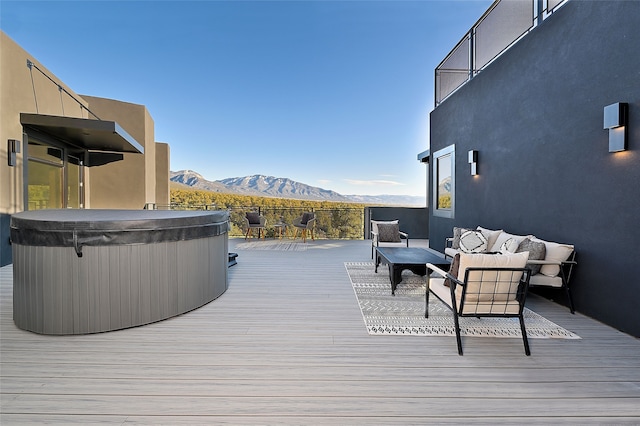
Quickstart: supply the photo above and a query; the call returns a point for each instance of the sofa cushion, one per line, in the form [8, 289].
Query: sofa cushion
[490, 235]
[542, 280]
[537, 251]
[388, 233]
[451, 251]
[503, 237]
[556, 252]
[473, 242]
[457, 233]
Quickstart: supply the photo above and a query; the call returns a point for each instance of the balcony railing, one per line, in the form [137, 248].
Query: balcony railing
[501, 26]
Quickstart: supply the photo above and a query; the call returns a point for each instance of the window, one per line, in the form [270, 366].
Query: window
[54, 178]
[443, 182]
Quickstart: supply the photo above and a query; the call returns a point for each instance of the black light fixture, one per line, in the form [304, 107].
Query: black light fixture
[615, 120]
[473, 160]
[13, 147]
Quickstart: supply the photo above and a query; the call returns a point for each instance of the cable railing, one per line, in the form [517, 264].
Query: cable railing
[499, 28]
[331, 223]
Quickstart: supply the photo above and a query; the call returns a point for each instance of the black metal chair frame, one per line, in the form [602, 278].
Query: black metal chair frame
[458, 311]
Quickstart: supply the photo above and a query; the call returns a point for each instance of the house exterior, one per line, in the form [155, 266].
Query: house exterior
[59, 149]
[535, 117]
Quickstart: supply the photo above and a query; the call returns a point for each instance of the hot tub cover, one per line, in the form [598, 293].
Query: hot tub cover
[77, 228]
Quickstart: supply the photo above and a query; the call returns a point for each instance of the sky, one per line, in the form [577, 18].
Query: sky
[329, 93]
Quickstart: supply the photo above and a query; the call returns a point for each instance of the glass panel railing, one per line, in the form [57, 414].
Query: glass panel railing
[453, 72]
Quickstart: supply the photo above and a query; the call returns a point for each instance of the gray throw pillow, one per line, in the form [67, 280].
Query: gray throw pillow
[537, 251]
[388, 233]
[457, 233]
[253, 218]
[453, 270]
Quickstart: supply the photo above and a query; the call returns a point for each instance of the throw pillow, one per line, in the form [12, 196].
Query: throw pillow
[453, 270]
[375, 223]
[509, 246]
[473, 242]
[490, 234]
[457, 233]
[306, 217]
[388, 233]
[537, 251]
[504, 236]
[556, 252]
[253, 218]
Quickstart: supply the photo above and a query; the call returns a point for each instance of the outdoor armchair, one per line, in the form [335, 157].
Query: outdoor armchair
[388, 233]
[305, 222]
[483, 285]
[253, 220]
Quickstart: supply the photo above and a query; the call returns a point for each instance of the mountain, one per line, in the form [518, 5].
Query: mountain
[269, 186]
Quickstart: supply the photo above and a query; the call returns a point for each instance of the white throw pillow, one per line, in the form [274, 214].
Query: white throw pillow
[473, 242]
[509, 246]
[504, 236]
[490, 235]
[555, 252]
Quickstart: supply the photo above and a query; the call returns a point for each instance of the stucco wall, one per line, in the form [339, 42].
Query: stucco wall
[127, 184]
[163, 155]
[535, 116]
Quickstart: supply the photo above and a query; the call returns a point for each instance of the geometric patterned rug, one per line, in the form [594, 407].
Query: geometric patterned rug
[403, 314]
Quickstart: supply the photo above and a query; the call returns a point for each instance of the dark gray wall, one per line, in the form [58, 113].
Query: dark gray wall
[535, 116]
[5, 247]
[413, 220]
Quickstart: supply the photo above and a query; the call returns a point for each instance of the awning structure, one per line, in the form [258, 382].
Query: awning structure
[423, 157]
[84, 133]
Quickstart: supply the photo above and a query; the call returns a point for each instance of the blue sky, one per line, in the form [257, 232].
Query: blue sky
[334, 94]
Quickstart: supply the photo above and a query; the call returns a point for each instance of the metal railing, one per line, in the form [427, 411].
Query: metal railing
[499, 28]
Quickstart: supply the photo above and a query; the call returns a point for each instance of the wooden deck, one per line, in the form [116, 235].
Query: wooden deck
[286, 344]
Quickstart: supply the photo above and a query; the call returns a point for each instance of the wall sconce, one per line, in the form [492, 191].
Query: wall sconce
[473, 160]
[615, 119]
[13, 147]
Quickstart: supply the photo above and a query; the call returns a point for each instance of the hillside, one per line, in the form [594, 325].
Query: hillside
[269, 186]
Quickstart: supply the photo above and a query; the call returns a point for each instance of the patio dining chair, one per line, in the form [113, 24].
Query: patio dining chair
[254, 220]
[305, 222]
[491, 286]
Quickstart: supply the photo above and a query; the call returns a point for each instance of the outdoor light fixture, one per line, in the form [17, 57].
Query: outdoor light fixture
[473, 160]
[615, 119]
[13, 147]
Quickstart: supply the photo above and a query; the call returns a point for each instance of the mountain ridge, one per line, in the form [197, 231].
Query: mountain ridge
[270, 186]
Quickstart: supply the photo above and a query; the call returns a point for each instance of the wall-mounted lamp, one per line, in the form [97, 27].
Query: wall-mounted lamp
[473, 160]
[615, 119]
[13, 147]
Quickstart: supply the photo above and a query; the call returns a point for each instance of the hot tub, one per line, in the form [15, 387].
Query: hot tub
[90, 271]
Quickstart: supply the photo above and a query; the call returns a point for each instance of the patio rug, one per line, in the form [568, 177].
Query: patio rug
[403, 314]
[281, 245]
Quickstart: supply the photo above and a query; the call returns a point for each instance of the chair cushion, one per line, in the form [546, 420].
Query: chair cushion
[375, 223]
[545, 281]
[537, 251]
[501, 283]
[253, 218]
[305, 218]
[555, 252]
[388, 233]
[473, 242]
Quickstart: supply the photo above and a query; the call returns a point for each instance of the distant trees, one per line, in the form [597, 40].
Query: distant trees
[334, 220]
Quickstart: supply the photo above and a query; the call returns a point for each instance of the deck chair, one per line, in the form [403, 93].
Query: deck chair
[305, 222]
[491, 286]
[253, 220]
[388, 233]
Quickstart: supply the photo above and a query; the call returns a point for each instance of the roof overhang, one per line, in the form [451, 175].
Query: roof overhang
[423, 157]
[84, 133]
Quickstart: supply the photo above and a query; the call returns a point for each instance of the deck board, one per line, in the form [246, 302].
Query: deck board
[286, 344]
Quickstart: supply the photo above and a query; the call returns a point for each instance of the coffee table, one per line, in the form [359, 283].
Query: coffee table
[413, 259]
